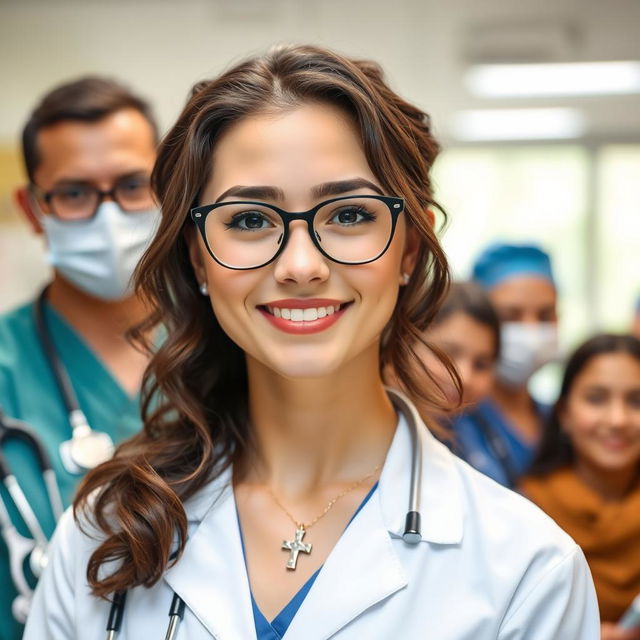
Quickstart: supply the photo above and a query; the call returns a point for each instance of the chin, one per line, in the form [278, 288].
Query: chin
[310, 363]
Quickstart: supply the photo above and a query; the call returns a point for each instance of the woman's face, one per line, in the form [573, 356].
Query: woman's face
[285, 159]
[602, 413]
[472, 346]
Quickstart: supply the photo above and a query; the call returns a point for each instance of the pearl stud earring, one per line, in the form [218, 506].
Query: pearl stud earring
[204, 289]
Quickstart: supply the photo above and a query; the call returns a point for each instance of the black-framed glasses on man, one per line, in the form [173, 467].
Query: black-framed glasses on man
[73, 201]
[348, 230]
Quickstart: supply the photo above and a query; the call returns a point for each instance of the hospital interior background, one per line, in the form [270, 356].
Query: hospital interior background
[558, 165]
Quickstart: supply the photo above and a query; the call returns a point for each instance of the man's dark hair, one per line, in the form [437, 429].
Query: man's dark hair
[87, 99]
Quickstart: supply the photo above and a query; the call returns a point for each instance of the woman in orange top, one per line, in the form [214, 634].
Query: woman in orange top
[586, 475]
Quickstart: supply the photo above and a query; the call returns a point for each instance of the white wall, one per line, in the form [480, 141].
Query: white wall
[161, 47]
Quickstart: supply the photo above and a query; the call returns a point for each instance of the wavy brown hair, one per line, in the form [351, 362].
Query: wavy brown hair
[195, 388]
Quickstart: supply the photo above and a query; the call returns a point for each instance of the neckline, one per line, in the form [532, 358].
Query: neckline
[80, 357]
[280, 623]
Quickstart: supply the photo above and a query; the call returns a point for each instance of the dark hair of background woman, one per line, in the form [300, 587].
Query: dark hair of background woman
[195, 388]
[470, 299]
[556, 450]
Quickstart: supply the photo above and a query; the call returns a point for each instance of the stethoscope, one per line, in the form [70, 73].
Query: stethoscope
[83, 451]
[19, 547]
[87, 448]
[411, 535]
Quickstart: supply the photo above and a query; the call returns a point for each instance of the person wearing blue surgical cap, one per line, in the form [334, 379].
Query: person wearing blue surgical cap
[519, 281]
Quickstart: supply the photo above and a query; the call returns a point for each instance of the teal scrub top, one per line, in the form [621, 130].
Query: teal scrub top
[28, 392]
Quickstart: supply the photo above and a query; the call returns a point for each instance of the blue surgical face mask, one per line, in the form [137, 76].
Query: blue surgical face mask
[99, 255]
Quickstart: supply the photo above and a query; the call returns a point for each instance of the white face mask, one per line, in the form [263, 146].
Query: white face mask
[524, 348]
[100, 255]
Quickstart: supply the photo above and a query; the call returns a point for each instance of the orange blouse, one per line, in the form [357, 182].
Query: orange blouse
[608, 532]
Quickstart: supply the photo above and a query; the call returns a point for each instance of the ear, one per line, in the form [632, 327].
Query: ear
[410, 253]
[26, 204]
[196, 254]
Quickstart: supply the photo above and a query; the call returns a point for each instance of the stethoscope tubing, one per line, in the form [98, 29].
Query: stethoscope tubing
[80, 428]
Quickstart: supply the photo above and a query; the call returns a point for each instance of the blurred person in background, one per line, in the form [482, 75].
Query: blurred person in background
[467, 329]
[88, 148]
[586, 475]
[520, 284]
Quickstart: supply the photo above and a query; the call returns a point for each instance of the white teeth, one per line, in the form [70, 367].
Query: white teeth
[303, 315]
[309, 314]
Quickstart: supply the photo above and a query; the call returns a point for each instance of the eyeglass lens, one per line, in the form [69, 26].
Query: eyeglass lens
[352, 230]
[80, 201]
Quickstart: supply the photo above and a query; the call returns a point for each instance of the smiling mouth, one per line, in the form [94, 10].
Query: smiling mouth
[309, 314]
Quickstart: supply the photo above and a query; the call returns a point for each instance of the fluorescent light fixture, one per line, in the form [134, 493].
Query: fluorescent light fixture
[554, 79]
[517, 124]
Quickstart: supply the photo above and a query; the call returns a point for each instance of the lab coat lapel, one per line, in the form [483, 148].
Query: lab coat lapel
[362, 570]
[210, 576]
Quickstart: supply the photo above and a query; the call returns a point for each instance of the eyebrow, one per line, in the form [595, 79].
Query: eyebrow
[335, 188]
[137, 173]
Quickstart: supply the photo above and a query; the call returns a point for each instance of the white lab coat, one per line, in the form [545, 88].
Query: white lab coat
[490, 566]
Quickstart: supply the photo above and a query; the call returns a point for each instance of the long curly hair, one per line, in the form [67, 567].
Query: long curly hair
[194, 404]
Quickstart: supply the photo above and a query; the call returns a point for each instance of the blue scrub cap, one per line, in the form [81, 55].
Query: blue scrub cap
[499, 262]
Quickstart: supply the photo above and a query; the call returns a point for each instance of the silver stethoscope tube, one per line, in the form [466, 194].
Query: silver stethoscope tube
[20, 548]
[412, 526]
[411, 535]
[86, 448]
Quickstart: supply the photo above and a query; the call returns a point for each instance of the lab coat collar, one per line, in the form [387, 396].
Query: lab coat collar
[211, 576]
[362, 569]
[441, 494]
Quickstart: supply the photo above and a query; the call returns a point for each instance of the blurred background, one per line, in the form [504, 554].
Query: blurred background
[547, 153]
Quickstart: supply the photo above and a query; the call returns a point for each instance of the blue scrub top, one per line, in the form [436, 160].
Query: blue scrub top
[276, 629]
[474, 431]
[28, 392]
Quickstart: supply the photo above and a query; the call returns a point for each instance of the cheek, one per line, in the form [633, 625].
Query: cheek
[229, 290]
[581, 425]
[581, 418]
[480, 384]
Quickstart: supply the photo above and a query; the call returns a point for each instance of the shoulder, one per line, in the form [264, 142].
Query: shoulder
[16, 330]
[15, 325]
[501, 517]
[521, 554]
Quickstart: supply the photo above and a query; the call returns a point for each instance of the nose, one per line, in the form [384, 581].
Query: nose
[300, 261]
[617, 414]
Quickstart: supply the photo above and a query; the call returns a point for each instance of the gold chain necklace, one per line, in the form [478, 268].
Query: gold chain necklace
[296, 545]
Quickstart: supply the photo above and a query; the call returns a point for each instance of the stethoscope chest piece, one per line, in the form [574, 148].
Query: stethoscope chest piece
[87, 448]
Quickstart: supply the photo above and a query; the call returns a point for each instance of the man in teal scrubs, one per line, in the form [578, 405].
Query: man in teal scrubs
[89, 148]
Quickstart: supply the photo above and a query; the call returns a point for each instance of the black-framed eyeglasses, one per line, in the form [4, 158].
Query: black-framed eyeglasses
[348, 230]
[80, 201]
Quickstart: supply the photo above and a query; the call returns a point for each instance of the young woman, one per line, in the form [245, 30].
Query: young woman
[587, 473]
[268, 494]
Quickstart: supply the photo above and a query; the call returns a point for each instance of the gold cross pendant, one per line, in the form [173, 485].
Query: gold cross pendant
[296, 546]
